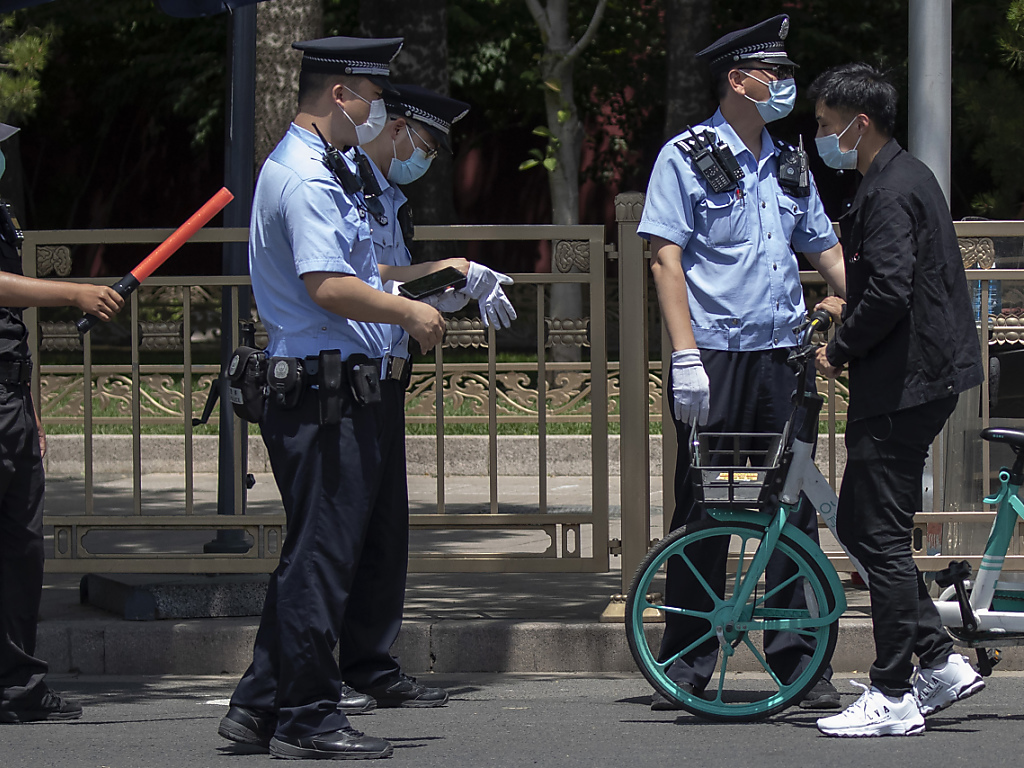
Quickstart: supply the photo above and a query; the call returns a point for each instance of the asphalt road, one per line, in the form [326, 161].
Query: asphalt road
[508, 720]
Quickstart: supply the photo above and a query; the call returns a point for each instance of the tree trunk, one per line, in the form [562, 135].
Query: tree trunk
[424, 62]
[688, 94]
[560, 54]
[278, 25]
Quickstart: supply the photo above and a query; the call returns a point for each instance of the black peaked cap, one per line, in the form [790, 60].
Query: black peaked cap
[765, 42]
[356, 56]
[435, 111]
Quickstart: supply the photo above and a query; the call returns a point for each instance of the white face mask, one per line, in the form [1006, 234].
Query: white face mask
[374, 124]
[832, 155]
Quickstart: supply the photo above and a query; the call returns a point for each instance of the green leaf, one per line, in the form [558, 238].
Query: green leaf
[550, 163]
[563, 116]
[542, 130]
[528, 164]
[554, 85]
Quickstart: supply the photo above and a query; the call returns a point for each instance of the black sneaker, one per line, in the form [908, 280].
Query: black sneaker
[51, 706]
[352, 702]
[404, 691]
[248, 726]
[661, 703]
[822, 696]
[343, 744]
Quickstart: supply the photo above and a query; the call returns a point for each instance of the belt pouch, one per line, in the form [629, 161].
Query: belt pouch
[363, 379]
[247, 382]
[286, 378]
[331, 377]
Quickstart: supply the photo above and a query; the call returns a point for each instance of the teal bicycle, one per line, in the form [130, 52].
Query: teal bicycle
[750, 484]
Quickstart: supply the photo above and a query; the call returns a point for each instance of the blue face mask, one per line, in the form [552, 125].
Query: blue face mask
[781, 98]
[3, 163]
[832, 155]
[407, 171]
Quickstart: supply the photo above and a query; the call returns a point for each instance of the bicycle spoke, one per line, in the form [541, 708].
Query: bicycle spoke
[761, 660]
[778, 588]
[706, 615]
[721, 679]
[695, 644]
[707, 587]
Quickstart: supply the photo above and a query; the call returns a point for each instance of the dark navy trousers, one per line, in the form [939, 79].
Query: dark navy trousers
[750, 392]
[21, 548]
[340, 583]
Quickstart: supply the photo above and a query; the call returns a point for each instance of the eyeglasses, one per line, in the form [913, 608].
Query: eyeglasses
[430, 151]
[781, 71]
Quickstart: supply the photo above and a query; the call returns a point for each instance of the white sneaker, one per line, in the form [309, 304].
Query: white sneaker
[875, 714]
[937, 688]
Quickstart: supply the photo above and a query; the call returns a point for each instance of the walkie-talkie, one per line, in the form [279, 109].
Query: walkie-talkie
[336, 164]
[700, 151]
[794, 170]
[371, 189]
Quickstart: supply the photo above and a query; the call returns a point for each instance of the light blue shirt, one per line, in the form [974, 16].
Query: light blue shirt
[389, 245]
[739, 257]
[303, 221]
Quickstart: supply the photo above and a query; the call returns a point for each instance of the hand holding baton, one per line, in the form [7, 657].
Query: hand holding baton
[127, 284]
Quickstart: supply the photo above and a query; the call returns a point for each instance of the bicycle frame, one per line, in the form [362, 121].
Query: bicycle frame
[1010, 509]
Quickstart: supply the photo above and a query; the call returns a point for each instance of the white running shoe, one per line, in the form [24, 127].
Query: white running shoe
[937, 688]
[875, 714]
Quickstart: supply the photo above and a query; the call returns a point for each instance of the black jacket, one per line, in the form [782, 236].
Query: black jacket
[909, 333]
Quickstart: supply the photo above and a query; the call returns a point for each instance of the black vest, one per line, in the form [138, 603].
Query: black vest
[13, 333]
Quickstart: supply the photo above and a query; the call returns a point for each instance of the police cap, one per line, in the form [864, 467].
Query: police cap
[763, 42]
[435, 111]
[356, 56]
[6, 131]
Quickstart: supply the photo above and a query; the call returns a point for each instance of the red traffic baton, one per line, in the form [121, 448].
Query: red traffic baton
[127, 284]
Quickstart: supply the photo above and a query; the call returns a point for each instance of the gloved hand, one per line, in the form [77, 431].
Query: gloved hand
[448, 301]
[484, 285]
[690, 393]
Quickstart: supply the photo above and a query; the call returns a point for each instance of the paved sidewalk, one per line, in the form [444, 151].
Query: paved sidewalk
[455, 623]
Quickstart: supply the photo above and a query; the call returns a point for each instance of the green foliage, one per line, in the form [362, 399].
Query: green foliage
[23, 55]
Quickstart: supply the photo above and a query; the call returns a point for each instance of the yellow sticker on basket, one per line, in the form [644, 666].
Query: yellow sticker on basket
[742, 477]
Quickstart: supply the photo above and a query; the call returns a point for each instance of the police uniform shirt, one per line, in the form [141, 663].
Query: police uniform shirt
[302, 222]
[13, 333]
[741, 271]
[389, 245]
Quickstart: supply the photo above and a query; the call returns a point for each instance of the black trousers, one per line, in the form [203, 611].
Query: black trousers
[881, 491]
[21, 548]
[341, 579]
[750, 392]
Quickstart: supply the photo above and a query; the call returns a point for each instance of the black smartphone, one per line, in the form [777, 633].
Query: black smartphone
[435, 282]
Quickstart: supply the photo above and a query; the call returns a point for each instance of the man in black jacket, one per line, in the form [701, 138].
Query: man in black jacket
[909, 339]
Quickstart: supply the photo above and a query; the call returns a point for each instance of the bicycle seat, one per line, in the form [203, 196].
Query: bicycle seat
[1012, 437]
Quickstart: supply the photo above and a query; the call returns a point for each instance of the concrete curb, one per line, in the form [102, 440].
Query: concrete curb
[224, 646]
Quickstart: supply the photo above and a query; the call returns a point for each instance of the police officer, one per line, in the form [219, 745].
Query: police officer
[333, 424]
[419, 125]
[724, 223]
[24, 695]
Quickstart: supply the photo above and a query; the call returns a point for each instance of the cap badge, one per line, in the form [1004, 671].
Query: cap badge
[784, 29]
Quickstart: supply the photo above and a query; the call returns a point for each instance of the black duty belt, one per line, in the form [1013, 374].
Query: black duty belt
[391, 368]
[15, 371]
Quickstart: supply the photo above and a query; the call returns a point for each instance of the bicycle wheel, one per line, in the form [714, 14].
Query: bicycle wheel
[756, 691]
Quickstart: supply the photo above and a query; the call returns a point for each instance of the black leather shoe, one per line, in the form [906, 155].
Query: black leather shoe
[248, 726]
[352, 702]
[343, 744]
[661, 703]
[51, 706]
[822, 696]
[404, 691]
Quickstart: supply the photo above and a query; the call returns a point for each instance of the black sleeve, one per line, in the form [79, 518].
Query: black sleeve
[887, 256]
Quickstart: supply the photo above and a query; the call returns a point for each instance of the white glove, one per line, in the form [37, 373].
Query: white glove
[690, 392]
[484, 285]
[449, 300]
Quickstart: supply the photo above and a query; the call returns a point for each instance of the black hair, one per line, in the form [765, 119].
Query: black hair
[313, 84]
[861, 89]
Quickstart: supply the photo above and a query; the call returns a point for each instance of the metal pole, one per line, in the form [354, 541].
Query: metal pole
[238, 177]
[930, 89]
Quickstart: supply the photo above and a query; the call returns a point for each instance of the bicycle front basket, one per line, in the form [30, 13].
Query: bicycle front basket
[733, 469]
